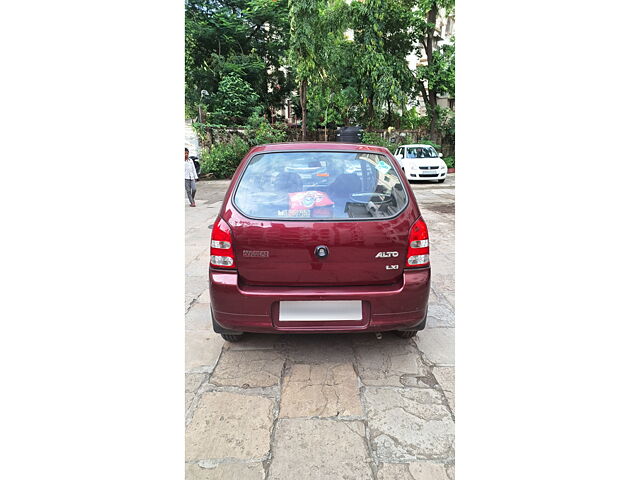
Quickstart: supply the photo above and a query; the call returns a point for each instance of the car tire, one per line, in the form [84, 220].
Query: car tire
[406, 333]
[441, 180]
[231, 338]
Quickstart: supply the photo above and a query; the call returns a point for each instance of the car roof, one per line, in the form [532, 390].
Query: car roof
[278, 147]
[416, 145]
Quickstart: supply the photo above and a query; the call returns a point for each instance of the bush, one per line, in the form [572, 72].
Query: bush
[450, 161]
[260, 131]
[412, 120]
[190, 111]
[229, 147]
[222, 159]
[372, 138]
[424, 141]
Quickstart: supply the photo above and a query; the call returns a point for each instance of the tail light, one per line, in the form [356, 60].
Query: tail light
[418, 254]
[221, 251]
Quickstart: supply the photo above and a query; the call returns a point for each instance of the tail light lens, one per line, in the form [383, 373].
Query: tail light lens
[418, 254]
[221, 251]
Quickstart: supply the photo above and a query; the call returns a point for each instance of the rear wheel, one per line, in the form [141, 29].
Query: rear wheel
[406, 333]
[231, 338]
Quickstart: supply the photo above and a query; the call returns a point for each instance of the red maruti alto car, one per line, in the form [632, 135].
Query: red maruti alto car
[319, 238]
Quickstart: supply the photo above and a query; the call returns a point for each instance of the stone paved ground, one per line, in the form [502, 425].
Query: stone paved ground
[321, 406]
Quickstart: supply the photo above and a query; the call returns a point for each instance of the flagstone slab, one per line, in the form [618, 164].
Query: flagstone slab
[409, 424]
[229, 425]
[248, 368]
[320, 391]
[225, 471]
[316, 449]
[413, 471]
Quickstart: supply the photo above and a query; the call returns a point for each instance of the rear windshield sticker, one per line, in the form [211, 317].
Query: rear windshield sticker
[310, 199]
[294, 213]
[382, 166]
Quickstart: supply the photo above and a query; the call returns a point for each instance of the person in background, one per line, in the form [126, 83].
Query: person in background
[190, 177]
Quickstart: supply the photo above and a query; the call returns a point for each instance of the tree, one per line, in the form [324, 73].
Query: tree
[234, 102]
[244, 37]
[306, 47]
[278, 46]
[331, 95]
[383, 39]
[439, 71]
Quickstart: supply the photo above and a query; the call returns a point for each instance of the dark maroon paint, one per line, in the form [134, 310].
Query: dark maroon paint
[247, 299]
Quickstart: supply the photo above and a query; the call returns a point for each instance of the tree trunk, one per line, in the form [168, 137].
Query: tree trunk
[326, 114]
[428, 47]
[425, 95]
[370, 112]
[303, 107]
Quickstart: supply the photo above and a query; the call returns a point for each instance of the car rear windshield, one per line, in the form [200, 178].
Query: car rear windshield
[320, 185]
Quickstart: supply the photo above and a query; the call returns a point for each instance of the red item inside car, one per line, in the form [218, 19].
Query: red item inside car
[309, 199]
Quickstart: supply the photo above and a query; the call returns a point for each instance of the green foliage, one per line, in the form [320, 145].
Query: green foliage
[450, 162]
[190, 111]
[308, 25]
[315, 53]
[420, 20]
[424, 141]
[447, 123]
[335, 98]
[245, 37]
[235, 101]
[382, 38]
[437, 76]
[340, 63]
[260, 131]
[373, 138]
[412, 120]
[201, 128]
[222, 159]
[440, 75]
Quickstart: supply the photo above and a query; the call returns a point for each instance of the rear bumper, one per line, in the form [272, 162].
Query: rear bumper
[241, 308]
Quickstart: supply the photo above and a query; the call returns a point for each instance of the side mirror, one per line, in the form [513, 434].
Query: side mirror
[440, 155]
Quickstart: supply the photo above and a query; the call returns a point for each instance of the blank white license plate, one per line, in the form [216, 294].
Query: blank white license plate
[317, 311]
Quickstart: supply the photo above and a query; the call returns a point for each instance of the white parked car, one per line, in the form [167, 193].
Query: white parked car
[421, 162]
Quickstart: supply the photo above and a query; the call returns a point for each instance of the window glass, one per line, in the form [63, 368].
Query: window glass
[421, 152]
[320, 185]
